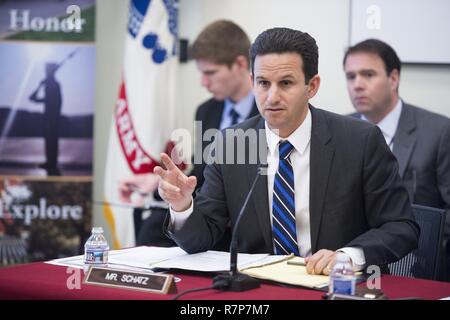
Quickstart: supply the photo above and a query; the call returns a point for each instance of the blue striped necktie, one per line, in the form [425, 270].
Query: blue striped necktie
[283, 204]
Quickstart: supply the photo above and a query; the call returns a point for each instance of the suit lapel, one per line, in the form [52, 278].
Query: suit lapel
[321, 157]
[254, 111]
[405, 138]
[260, 197]
[215, 115]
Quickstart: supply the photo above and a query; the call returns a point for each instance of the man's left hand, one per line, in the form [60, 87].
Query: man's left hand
[321, 262]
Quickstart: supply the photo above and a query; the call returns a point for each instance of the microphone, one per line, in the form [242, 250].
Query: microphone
[235, 281]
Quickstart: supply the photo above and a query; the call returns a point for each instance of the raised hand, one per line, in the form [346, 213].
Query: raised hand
[174, 186]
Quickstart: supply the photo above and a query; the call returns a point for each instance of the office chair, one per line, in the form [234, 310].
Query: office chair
[424, 262]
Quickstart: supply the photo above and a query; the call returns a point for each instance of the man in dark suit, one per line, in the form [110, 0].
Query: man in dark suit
[221, 54]
[325, 190]
[419, 139]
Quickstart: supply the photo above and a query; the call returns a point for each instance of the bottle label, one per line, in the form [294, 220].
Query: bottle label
[344, 286]
[96, 256]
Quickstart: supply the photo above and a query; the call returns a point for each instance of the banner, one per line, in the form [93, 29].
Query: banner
[47, 60]
[43, 219]
[144, 115]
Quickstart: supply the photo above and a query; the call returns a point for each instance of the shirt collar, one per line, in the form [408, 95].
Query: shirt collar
[242, 107]
[388, 125]
[300, 138]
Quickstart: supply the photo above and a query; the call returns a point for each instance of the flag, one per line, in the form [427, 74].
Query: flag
[144, 115]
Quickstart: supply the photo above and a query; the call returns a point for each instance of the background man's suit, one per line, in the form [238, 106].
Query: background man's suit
[356, 196]
[210, 114]
[422, 148]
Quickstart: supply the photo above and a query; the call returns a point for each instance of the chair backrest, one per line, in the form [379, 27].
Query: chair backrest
[424, 261]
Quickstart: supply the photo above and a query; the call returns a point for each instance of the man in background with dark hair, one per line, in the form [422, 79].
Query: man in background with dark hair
[419, 139]
[221, 54]
[324, 191]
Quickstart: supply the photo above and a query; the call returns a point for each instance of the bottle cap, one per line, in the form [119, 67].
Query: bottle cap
[97, 230]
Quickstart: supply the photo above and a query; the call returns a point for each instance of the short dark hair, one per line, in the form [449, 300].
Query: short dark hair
[379, 48]
[221, 42]
[285, 40]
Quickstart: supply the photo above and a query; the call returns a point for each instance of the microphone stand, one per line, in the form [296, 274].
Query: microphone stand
[235, 281]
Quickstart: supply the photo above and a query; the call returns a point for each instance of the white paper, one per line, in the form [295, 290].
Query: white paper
[269, 259]
[144, 257]
[74, 262]
[138, 257]
[170, 258]
[209, 261]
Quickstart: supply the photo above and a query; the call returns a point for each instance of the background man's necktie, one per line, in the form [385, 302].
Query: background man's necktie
[283, 204]
[234, 116]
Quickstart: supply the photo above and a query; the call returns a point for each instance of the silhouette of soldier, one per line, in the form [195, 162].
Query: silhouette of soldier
[52, 100]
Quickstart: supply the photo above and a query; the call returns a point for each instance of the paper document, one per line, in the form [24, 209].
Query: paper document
[209, 261]
[145, 257]
[74, 262]
[170, 258]
[138, 257]
[281, 271]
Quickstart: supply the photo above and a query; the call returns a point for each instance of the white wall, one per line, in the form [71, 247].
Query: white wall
[427, 86]
[428, 21]
[326, 20]
[111, 17]
[255, 16]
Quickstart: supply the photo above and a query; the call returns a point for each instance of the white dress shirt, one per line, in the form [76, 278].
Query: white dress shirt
[300, 140]
[300, 159]
[388, 125]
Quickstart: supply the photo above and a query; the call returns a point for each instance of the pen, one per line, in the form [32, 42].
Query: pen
[296, 263]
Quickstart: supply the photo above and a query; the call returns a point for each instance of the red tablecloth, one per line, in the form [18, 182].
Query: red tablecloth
[45, 281]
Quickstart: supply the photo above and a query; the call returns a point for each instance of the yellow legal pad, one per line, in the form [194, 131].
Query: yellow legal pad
[281, 271]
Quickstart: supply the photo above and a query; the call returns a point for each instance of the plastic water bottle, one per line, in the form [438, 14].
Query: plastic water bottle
[96, 250]
[342, 277]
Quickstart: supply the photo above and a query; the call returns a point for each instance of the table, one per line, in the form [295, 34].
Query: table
[44, 281]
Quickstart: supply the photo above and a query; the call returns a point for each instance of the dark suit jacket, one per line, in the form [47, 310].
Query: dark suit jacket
[422, 148]
[210, 114]
[356, 195]
[151, 231]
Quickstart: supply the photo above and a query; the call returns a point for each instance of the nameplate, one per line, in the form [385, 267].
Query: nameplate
[142, 281]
